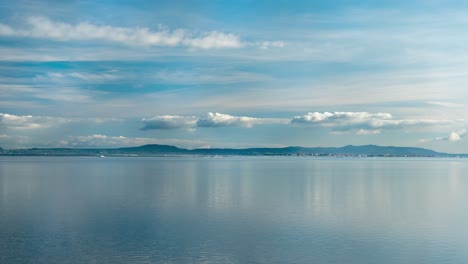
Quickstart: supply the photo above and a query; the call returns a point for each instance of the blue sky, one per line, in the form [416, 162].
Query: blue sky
[233, 73]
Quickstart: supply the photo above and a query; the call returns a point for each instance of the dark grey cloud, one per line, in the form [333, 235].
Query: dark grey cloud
[169, 122]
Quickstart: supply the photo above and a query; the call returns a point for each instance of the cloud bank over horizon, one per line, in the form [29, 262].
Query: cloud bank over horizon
[363, 123]
[24, 129]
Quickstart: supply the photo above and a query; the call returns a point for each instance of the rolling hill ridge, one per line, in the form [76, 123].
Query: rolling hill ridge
[164, 150]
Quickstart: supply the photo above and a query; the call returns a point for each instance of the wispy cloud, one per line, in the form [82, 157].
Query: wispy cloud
[65, 94]
[445, 104]
[362, 122]
[210, 120]
[29, 122]
[45, 28]
[78, 76]
[270, 44]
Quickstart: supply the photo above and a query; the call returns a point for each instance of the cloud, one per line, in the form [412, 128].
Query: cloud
[99, 140]
[210, 120]
[65, 94]
[270, 44]
[362, 123]
[28, 122]
[169, 122]
[445, 104]
[44, 28]
[80, 76]
[223, 120]
[214, 39]
[454, 136]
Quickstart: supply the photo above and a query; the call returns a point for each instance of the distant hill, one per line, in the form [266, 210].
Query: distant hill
[162, 150]
[367, 150]
[153, 148]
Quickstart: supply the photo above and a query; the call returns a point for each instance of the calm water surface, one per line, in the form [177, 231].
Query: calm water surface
[233, 210]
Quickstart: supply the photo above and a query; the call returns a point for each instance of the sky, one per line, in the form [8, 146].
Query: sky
[234, 74]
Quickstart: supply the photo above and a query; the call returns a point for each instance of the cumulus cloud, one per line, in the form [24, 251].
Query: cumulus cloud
[454, 136]
[223, 120]
[210, 120]
[42, 27]
[362, 123]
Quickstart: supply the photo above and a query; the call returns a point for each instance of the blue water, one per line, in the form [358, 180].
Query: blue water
[233, 210]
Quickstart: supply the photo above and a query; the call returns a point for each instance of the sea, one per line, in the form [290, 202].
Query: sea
[233, 210]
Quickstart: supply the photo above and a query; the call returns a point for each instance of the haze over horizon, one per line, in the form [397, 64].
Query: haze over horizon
[234, 74]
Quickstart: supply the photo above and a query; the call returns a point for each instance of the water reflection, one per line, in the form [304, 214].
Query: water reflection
[233, 210]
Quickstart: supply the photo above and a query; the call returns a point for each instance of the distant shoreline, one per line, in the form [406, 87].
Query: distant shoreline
[172, 151]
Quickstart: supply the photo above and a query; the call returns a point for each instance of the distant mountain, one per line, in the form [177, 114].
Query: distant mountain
[162, 150]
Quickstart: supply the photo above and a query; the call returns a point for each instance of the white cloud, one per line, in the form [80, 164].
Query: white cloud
[270, 44]
[28, 122]
[210, 120]
[223, 120]
[65, 94]
[445, 104]
[214, 39]
[454, 136]
[42, 27]
[362, 123]
[76, 77]
[93, 76]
